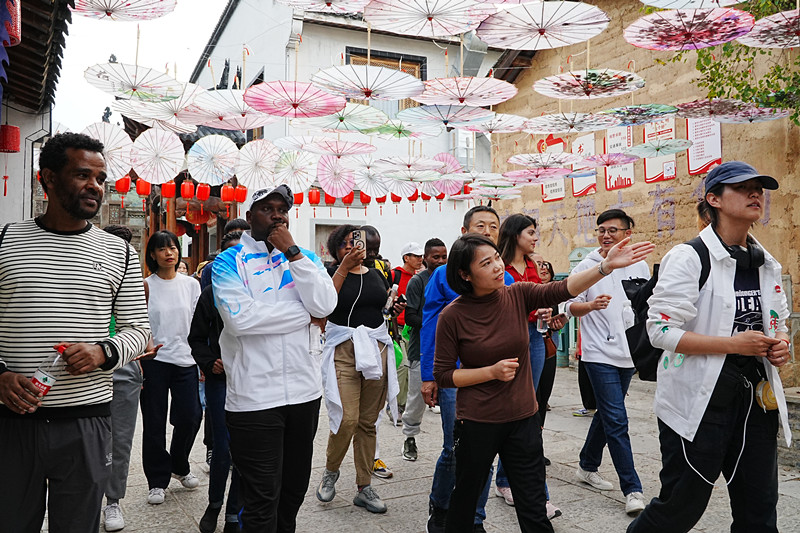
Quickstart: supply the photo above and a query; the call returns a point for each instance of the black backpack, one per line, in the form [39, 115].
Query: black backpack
[638, 290]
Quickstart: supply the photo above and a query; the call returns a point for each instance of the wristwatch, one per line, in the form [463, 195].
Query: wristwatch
[3, 368]
[292, 251]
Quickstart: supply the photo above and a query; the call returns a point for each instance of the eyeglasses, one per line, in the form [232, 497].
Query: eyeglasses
[345, 243]
[545, 264]
[611, 231]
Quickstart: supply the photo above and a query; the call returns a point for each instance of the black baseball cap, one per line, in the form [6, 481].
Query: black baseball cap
[737, 172]
[283, 190]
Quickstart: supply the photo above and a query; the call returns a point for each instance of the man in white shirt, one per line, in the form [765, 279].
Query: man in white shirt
[267, 291]
[606, 314]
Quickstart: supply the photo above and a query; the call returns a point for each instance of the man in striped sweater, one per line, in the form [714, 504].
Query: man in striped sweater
[61, 280]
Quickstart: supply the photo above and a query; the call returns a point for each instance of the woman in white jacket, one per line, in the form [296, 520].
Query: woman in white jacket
[722, 345]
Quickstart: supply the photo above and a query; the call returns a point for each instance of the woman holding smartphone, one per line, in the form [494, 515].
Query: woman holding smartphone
[496, 405]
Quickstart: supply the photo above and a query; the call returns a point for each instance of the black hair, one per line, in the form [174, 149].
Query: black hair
[460, 258]
[549, 267]
[478, 209]
[123, 232]
[229, 237]
[433, 243]
[707, 213]
[53, 155]
[159, 239]
[611, 214]
[510, 229]
[237, 224]
[336, 238]
[371, 230]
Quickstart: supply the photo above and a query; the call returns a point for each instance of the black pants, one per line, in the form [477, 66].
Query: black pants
[754, 490]
[68, 460]
[546, 387]
[272, 449]
[519, 445]
[585, 386]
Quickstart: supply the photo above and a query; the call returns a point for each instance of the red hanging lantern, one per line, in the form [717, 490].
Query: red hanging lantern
[413, 198]
[197, 217]
[381, 200]
[227, 194]
[9, 143]
[240, 194]
[143, 189]
[14, 25]
[348, 200]
[426, 199]
[187, 190]
[203, 194]
[168, 191]
[440, 197]
[122, 185]
[298, 200]
[313, 199]
[365, 200]
[396, 199]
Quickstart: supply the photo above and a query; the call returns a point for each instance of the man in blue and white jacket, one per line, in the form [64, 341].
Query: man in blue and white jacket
[267, 291]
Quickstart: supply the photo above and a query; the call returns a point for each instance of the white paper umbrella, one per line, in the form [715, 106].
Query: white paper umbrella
[157, 156]
[133, 82]
[659, 147]
[354, 117]
[428, 18]
[359, 162]
[256, 166]
[297, 142]
[409, 163]
[403, 188]
[296, 169]
[570, 123]
[134, 111]
[545, 160]
[371, 182]
[225, 109]
[397, 129]
[116, 147]
[368, 82]
[334, 178]
[128, 10]
[414, 176]
[501, 123]
[337, 7]
[446, 115]
[466, 90]
[213, 159]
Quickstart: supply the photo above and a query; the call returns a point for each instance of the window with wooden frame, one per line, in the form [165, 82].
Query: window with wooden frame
[410, 64]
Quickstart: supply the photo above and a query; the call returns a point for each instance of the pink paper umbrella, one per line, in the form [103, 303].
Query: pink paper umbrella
[339, 148]
[690, 4]
[688, 29]
[781, 30]
[448, 184]
[124, 9]
[466, 90]
[451, 164]
[338, 7]
[587, 84]
[447, 115]
[225, 109]
[292, 99]
[546, 160]
[608, 160]
[535, 175]
[426, 18]
[543, 25]
[367, 82]
[334, 178]
[569, 123]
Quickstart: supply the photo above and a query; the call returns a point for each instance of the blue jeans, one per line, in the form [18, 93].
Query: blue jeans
[537, 363]
[610, 425]
[220, 454]
[444, 477]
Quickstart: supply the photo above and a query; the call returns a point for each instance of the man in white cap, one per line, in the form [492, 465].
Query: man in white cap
[267, 291]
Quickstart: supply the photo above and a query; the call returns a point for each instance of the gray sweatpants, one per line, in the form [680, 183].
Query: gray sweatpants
[124, 410]
[68, 461]
[415, 405]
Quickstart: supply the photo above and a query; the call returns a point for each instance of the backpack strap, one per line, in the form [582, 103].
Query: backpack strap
[3, 233]
[124, 273]
[705, 259]
[396, 277]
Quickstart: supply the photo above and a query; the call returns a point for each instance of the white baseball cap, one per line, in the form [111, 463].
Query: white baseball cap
[413, 248]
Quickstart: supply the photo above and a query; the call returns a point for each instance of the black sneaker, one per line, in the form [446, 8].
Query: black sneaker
[478, 528]
[436, 520]
[208, 524]
[410, 449]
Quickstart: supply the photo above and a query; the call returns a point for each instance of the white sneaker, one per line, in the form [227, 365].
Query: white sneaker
[634, 503]
[436, 409]
[552, 511]
[189, 481]
[156, 497]
[113, 517]
[505, 493]
[593, 478]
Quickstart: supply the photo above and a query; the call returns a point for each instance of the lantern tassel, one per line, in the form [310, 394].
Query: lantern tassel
[122, 202]
[315, 212]
[5, 185]
[144, 204]
[348, 212]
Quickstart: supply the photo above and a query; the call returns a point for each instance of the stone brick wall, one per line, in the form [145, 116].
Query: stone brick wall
[791, 456]
[664, 212]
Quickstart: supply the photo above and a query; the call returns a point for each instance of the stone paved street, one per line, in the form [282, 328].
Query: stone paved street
[406, 494]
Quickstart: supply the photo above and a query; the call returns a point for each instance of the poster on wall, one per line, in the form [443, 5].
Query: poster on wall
[551, 145]
[583, 146]
[553, 191]
[617, 140]
[707, 148]
[584, 182]
[660, 168]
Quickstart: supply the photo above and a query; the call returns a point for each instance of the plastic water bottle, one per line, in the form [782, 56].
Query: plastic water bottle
[49, 371]
[387, 309]
[316, 340]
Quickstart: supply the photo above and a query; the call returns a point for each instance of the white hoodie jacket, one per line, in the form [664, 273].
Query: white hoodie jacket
[266, 303]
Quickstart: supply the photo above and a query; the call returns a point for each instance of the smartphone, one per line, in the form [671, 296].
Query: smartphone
[359, 241]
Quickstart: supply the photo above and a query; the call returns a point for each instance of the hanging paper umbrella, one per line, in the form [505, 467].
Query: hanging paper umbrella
[451, 164]
[397, 129]
[354, 117]
[124, 9]
[136, 111]
[781, 30]
[133, 82]
[591, 83]
[338, 7]
[690, 4]
[409, 163]
[157, 156]
[359, 162]
[252, 120]
[334, 178]
[474, 176]
[339, 148]
[292, 99]
[224, 109]
[256, 166]
[607, 160]
[542, 25]
[466, 90]
[368, 82]
[116, 147]
[632, 115]
[295, 169]
[751, 114]
[402, 188]
[448, 184]
[297, 142]
[710, 108]
[494, 185]
[545, 160]
[213, 159]
[447, 115]
[371, 182]
[569, 123]
[688, 29]
[414, 176]
[659, 147]
[535, 175]
[501, 123]
[427, 18]
[166, 110]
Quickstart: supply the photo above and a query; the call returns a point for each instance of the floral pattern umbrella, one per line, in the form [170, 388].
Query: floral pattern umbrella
[337, 7]
[292, 99]
[690, 4]
[451, 164]
[535, 175]
[334, 178]
[466, 90]
[368, 82]
[709, 108]
[409, 163]
[354, 117]
[157, 156]
[608, 160]
[569, 123]
[124, 9]
[501, 123]
[545, 160]
[751, 114]
[659, 147]
[133, 82]
[542, 25]
[213, 159]
[632, 115]
[781, 30]
[591, 83]
[397, 129]
[447, 115]
[426, 18]
[225, 109]
[296, 169]
[256, 166]
[116, 147]
[371, 182]
[339, 148]
[688, 29]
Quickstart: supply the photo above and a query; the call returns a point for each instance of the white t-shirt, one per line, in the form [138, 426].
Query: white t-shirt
[170, 308]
